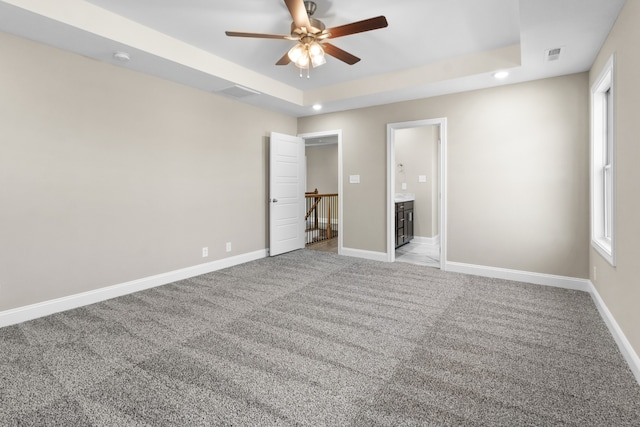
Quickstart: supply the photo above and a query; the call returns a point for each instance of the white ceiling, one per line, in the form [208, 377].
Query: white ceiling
[430, 47]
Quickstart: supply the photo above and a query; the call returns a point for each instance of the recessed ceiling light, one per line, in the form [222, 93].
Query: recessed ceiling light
[122, 56]
[500, 75]
[317, 107]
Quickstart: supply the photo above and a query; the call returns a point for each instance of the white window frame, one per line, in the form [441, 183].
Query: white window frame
[603, 206]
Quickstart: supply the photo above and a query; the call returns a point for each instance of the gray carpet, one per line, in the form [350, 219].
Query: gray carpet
[312, 338]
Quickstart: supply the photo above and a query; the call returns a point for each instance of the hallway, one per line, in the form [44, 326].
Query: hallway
[330, 245]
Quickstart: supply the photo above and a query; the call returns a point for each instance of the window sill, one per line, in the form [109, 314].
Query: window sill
[605, 249]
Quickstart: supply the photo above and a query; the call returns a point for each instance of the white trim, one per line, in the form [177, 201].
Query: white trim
[442, 217]
[433, 241]
[45, 308]
[359, 253]
[606, 81]
[624, 345]
[337, 132]
[520, 276]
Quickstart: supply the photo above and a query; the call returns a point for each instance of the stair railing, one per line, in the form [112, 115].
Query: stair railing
[321, 217]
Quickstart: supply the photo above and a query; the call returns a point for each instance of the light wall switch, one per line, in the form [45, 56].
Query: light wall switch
[404, 185]
[422, 178]
[354, 179]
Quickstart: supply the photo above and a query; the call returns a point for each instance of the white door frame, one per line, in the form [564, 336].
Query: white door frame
[391, 184]
[320, 134]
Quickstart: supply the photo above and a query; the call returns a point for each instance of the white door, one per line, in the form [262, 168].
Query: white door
[286, 193]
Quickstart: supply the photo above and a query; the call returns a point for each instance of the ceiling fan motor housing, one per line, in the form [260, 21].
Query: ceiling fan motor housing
[317, 26]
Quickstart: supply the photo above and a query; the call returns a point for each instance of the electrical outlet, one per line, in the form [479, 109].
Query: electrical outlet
[205, 252]
[404, 185]
[228, 246]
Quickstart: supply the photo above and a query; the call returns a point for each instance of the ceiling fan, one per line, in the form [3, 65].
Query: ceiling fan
[311, 35]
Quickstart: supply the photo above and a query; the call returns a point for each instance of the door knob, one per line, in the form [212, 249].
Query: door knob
[274, 200]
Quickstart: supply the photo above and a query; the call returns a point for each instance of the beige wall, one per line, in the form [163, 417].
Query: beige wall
[620, 286]
[115, 175]
[416, 150]
[322, 168]
[517, 173]
[109, 175]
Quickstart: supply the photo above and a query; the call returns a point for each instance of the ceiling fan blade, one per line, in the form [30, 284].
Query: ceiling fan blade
[340, 54]
[298, 13]
[284, 60]
[357, 27]
[256, 35]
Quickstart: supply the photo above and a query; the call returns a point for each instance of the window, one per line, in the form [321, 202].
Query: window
[603, 163]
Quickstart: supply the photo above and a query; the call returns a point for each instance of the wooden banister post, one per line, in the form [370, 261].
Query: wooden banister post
[329, 233]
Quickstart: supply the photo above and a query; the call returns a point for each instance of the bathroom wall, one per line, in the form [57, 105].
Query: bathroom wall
[416, 154]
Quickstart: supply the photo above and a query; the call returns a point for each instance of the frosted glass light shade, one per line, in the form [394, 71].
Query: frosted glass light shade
[303, 61]
[296, 52]
[315, 49]
[317, 54]
[318, 60]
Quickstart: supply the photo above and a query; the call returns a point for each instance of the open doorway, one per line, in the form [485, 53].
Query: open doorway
[416, 153]
[323, 213]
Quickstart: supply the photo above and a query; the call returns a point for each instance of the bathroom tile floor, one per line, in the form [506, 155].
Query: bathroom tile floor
[419, 253]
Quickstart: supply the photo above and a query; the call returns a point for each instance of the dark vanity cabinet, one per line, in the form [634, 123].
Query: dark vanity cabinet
[404, 223]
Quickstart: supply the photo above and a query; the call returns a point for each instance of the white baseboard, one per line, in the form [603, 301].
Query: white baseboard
[359, 253]
[520, 276]
[433, 241]
[624, 345]
[45, 308]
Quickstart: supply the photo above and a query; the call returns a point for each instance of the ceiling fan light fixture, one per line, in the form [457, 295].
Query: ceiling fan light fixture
[315, 49]
[310, 33]
[318, 60]
[303, 61]
[316, 52]
[307, 52]
[296, 52]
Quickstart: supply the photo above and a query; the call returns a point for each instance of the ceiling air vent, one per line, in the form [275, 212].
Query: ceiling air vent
[552, 54]
[238, 91]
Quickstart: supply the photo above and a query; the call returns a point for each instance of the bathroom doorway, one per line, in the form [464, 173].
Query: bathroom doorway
[415, 188]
